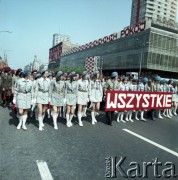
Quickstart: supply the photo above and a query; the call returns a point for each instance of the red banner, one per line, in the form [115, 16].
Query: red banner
[55, 53]
[136, 100]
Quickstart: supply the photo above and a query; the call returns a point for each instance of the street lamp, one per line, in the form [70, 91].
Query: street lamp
[5, 31]
[142, 45]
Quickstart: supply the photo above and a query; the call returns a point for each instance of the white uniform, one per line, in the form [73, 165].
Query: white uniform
[175, 94]
[57, 92]
[34, 91]
[71, 93]
[160, 88]
[96, 91]
[42, 90]
[23, 93]
[143, 87]
[82, 92]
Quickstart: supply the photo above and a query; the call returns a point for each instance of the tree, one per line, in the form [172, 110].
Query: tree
[68, 69]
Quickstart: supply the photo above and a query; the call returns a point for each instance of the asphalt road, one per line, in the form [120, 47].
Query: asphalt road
[80, 152]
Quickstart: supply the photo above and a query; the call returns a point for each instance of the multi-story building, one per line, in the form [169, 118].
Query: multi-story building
[36, 65]
[66, 42]
[148, 46]
[163, 10]
[57, 38]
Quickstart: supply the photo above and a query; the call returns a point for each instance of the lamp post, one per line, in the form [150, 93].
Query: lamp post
[142, 45]
[141, 57]
[5, 31]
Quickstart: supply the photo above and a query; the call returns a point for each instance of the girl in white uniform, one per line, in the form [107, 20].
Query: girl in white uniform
[96, 95]
[23, 98]
[57, 95]
[175, 97]
[82, 95]
[42, 96]
[71, 98]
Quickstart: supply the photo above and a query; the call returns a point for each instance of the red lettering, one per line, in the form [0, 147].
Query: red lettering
[136, 29]
[122, 33]
[142, 26]
[133, 29]
[128, 100]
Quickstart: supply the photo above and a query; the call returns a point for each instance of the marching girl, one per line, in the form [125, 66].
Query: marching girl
[125, 87]
[167, 87]
[96, 95]
[88, 78]
[82, 95]
[164, 88]
[50, 77]
[150, 112]
[71, 98]
[143, 87]
[33, 102]
[170, 89]
[57, 93]
[19, 75]
[134, 87]
[23, 98]
[42, 96]
[158, 88]
[175, 97]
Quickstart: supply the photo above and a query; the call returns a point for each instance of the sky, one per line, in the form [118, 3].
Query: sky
[33, 23]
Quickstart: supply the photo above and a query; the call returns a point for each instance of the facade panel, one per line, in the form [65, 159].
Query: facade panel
[152, 49]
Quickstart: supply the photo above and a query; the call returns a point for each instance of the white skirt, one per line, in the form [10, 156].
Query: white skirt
[95, 96]
[175, 97]
[82, 98]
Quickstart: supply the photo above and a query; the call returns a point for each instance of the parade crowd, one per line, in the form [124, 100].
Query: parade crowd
[70, 94]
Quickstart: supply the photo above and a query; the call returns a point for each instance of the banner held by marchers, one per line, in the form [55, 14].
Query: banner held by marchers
[136, 100]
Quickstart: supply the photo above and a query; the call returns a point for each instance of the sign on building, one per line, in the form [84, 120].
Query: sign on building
[55, 53]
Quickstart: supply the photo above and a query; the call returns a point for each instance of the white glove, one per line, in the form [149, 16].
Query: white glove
[87, 99]
[49, 99]
[65, 100]
[14, 100]
[33, 101]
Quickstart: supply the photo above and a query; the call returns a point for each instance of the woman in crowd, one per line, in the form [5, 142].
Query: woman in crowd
[57, 96]
[175, 97]
[143, 87]
[23, 98]
[82, 95]
[71, 98]
[33, 102]
[96, 95]
[42, 96]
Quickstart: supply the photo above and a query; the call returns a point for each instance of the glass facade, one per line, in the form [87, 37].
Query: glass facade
[152, 49]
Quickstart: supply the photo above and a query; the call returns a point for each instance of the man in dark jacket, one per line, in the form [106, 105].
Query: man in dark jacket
[111, 84]
[6, 86]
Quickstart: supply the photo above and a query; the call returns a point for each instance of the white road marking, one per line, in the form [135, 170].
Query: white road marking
[44, 170]
[152, 142]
